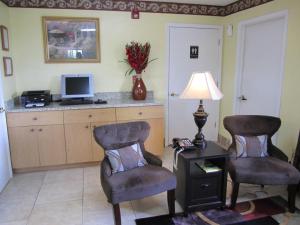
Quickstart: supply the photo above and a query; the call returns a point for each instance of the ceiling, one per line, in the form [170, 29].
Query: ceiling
[201, 2]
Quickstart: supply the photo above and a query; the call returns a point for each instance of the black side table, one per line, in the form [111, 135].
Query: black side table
[196, 189]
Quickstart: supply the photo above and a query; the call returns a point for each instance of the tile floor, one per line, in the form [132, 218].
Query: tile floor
[75, 197]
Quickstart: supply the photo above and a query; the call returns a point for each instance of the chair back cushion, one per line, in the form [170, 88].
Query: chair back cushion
[126, 158]
[251, 125]
[254, 146]
[116, 136]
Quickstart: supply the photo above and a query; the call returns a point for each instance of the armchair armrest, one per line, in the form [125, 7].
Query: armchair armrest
[105, 167]
[277, 153]
[152, 159]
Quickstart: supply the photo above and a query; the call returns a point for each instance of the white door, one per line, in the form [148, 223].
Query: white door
[260, 65]
[182, 41]
[5, 165]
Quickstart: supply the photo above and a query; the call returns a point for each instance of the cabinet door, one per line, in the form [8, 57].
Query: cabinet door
[51, 141]
[78, 142]
[98, 152]
[24, 147]
[155, 141]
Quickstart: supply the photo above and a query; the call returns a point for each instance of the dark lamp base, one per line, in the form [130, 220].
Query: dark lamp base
[200, 118]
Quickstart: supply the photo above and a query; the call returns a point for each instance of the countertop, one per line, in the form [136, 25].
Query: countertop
[111, 103]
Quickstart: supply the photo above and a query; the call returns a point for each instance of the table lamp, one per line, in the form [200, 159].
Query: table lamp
[201, 86]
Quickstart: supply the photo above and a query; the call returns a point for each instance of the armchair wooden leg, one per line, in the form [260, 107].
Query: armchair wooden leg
[234, 195]
[171, 202]
[117, 214]
[292, 191]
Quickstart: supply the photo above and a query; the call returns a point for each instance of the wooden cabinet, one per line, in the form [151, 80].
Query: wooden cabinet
[139, 113]
[154, 116]
[24, 147]
[51, 138]
[34, 118]
[36, 139]
[90, 115]
[78, 142]
[35, 146]
[79, 126]
[155, 142]
[97, 150]
[197, 189]
[51, 142]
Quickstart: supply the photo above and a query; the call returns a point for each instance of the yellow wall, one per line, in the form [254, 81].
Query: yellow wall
[116, 29]
[290, 104]
[9, 83]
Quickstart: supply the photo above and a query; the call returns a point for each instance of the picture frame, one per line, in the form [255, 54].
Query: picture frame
[4, 38]
[8, 66]
[71, 40]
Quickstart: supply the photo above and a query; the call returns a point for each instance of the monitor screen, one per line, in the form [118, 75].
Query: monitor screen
[77, 86]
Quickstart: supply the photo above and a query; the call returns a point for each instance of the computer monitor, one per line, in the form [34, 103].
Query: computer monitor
[77, 86]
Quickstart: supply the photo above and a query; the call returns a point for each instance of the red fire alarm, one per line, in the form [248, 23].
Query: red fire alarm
[135, 13]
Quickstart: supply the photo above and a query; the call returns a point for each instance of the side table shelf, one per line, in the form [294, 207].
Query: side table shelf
[196, 189]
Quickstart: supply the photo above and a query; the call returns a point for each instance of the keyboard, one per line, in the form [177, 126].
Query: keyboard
[76, 102]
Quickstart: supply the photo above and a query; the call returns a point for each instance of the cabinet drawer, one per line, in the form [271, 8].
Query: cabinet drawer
[205, 189]
[138, 113]
[34, 118]
[89, 115]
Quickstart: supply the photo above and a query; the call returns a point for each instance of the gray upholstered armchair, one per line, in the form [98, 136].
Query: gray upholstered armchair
[270, 170]
[135, 183]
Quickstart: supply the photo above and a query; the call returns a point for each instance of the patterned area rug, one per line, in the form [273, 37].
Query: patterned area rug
[256, 212]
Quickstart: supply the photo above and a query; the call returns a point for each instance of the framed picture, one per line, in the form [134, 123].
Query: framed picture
[69, 40]
[8, 66]
[4, 38]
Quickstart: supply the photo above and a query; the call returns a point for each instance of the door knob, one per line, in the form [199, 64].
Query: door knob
[2, 110]
[242, 98]
[174, 94]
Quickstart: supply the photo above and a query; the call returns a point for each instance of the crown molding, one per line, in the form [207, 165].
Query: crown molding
[143, 6]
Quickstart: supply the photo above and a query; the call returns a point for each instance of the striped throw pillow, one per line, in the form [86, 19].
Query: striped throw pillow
[251, 146]
[126, 158]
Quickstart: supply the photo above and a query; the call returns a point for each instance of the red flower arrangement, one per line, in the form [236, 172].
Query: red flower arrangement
[137, 57]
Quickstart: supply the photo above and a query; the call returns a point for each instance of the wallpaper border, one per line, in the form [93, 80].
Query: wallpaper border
[143, 6]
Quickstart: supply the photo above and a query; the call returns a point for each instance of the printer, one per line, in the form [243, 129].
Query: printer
[31, 99]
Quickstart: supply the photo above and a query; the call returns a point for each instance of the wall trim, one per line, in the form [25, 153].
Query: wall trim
[143, 6]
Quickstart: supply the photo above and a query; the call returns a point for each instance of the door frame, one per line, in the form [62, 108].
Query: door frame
[5, 130]
[167, 74]
[240, 53]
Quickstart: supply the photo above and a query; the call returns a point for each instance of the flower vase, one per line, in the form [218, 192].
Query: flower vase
[139, 90]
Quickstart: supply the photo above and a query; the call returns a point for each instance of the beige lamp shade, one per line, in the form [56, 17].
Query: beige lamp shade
[201, 86]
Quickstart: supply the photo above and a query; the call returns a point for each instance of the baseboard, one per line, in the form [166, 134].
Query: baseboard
[58, 167]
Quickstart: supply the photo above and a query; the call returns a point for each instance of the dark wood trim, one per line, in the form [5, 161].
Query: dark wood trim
[142, 6]
[171, 201]
[234, 195]
[292, 191]
[117, 214]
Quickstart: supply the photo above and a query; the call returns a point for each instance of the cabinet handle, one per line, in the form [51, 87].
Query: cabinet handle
[140, 113]
[40, 130]
[34, 118]
[31, 130]
[86, 127]
[90, 116]
[203, 186]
